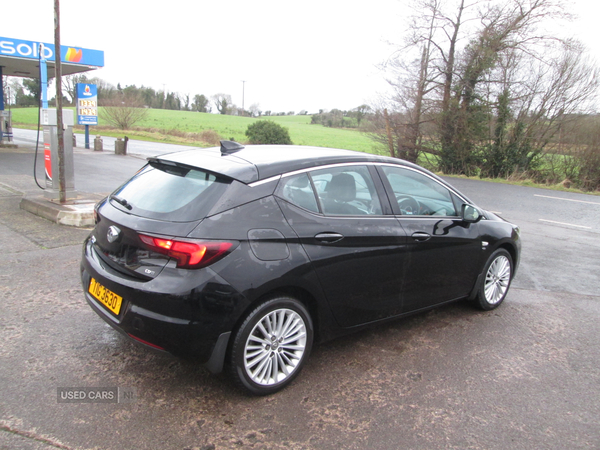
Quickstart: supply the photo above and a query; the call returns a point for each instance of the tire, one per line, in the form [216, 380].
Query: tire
[497, 276]
[271, 346]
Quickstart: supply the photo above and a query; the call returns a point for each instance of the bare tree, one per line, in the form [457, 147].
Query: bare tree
[185, 99]
[360, 112]
[454, 79]
[434, 35]
[200, 103]
[70, 85]
[255, 110]
[588, 156]
[504, 27]
[124, 112]
[223, 103]
[539, 106]
[106, 91]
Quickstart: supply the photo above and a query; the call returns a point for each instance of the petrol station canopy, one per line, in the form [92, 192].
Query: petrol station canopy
[20, 58]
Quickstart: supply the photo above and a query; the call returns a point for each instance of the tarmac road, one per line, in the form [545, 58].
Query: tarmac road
[140, 148]
[523, 376]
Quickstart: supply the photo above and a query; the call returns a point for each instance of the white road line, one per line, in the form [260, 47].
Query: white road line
[567, 199]
[567, 224]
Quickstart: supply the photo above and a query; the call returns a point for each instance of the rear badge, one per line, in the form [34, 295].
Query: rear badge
[113, 234]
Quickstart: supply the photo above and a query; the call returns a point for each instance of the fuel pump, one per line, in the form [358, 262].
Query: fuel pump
[6, 126]
[49, 121]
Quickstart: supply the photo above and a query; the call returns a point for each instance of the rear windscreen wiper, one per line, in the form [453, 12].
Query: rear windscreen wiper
[122, 201]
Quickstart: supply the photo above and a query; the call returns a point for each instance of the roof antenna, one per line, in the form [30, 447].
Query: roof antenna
[229, 147]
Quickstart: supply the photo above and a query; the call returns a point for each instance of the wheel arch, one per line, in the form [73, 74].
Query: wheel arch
[296, 292]
[234, 360]
[514, 254]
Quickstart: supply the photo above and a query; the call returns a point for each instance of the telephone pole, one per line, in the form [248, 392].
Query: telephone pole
[62, 191]
[243, 92]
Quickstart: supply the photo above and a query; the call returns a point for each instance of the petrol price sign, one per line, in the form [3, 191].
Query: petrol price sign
[87, 104]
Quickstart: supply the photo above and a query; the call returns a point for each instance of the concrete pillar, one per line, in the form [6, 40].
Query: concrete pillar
[119, 147]
[98, 144]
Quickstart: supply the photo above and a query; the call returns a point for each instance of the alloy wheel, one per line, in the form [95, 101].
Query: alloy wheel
[275, 347]
[497, 280]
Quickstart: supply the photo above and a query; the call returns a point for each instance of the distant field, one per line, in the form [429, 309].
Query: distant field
[228, 127]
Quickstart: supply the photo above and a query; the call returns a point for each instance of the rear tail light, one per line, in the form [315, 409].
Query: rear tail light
[189, 254]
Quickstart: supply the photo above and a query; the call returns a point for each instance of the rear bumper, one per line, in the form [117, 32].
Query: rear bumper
[193, 320]
[212, 357]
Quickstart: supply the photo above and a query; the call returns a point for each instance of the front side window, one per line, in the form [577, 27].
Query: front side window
[418, 194]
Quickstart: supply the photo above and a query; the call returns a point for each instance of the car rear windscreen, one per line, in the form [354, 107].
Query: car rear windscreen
[171, 193]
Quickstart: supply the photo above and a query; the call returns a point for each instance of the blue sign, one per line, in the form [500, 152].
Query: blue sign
[87, 104]
[18, 48]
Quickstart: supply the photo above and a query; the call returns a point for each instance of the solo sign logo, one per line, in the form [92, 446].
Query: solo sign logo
[74, 55]
[31, 50]
[25, 49]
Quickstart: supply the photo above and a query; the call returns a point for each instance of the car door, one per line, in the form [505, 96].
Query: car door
[356, 245]
[443, 249]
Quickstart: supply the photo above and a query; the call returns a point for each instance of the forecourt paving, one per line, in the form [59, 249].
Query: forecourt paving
[97, 173]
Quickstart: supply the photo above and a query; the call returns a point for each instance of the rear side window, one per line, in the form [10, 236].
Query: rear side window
[346, 191]
[298, 190]
[176, 194]
[338, 191]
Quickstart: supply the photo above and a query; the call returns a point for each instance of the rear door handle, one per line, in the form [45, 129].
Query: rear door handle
[329, 238]
[421, 236]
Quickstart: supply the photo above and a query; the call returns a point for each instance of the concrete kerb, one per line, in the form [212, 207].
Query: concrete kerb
[76, 213]
[79, 213]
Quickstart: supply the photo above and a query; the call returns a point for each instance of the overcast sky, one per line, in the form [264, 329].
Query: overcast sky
[293, 55]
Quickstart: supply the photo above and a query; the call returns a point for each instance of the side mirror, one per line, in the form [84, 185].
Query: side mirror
[471, 214]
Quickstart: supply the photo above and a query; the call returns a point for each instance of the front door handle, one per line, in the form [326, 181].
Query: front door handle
[421, 236]
[329, 238]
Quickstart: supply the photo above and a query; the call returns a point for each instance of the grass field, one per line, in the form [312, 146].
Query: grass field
[160, 121]
[172, 126]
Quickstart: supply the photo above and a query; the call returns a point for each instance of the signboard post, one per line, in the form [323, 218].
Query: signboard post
[87, 108]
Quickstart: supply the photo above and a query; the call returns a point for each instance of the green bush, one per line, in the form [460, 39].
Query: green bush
[268, 132]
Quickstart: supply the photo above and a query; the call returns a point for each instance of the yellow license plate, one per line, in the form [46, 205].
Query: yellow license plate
[105, 296]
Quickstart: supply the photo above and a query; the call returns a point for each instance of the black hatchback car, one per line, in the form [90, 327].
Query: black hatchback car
[245, 256]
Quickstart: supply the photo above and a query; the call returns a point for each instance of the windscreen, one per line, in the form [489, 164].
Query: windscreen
[172, 193]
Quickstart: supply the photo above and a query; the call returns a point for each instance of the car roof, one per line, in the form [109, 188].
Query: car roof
[258, 162]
